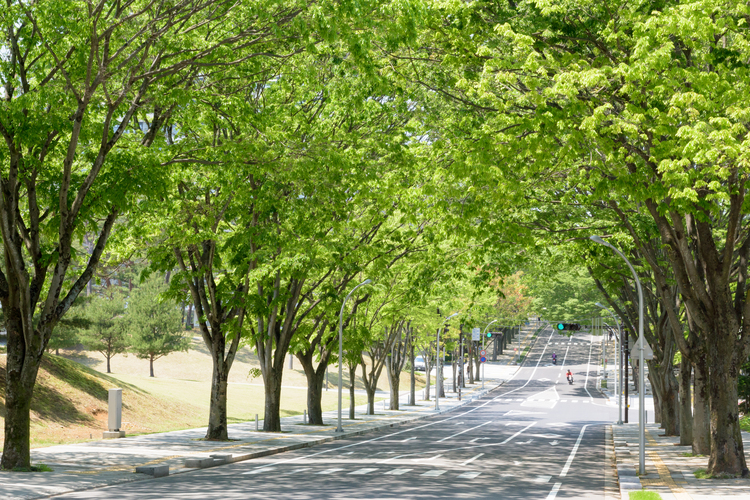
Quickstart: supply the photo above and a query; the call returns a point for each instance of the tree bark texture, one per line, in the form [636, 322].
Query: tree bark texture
[686, 409]
[272, 406]
[315, 379]
[352, 379]
[701, 418]
[412, 377]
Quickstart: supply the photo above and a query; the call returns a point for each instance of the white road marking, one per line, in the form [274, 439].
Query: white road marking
[519, 432]
[428, 459]
[553, 493]
[546, 436]
[471, 460]
[468, 475]
[558, 424]
[433, 473]
[519, 412]
[516, 462]
[393, 458]
[429, 424]
[259, 469]
[481, 439]
[408, 439]
[463, 431]
[329, 471]
[554, 443]
[362, 471]
[573, 452]
[398, 472]
[542, 479]
[297, 470]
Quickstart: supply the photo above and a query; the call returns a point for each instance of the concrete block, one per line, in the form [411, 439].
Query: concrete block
[199, 462]
[221, 458]
[153, 470]
[113, 434]
[625, 470]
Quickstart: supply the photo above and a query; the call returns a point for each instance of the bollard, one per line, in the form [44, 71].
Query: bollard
[256, 422]
[304, 417]
[114, 418]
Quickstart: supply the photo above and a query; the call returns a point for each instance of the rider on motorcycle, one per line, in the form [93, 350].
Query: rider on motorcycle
[569, 376]
[554, 358]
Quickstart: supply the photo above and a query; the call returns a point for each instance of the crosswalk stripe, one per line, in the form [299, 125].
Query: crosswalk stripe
[329, 471]
[259, 469]
[433, 473]
[398, 472]
[362, 471]
[468, 475]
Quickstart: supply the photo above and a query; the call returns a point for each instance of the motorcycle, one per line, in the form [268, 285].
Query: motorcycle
[570, 379]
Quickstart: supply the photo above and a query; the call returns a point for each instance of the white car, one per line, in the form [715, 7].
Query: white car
[419, 364]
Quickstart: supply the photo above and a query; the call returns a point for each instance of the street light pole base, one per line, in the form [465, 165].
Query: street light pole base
[339, 430]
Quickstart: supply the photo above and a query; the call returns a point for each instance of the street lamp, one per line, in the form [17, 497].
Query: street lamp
[438, 371]
[341, 348]
[618, 381]
[483, 338]
[641, 363]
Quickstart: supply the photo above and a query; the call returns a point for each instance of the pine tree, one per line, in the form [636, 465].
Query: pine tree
[106, 331]
[153, 324]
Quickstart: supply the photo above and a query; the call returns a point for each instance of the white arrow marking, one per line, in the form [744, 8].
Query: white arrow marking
[408, 439]
[547, 436]
[526, 442]
[554, 443]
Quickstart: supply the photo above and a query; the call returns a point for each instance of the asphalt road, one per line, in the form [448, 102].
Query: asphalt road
[534, 437]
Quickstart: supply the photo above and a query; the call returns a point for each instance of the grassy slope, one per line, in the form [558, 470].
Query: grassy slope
[70, 399]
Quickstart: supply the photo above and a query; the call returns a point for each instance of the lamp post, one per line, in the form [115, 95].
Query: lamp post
[341, 349]
[438, 371]
[618, 375]
[483, 338]
[641, 363]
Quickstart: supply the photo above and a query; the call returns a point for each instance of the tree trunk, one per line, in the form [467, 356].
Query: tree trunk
[108, 358]
[412, 378]
[427, 370]
[686, 413]
[315, 379]
[670, 409]
[701, 423]
[394, 381]
[727, 454]
[352, 378]
[20, 377]
[370, 401]
[217, 413]
[151, 364]
[272, 411]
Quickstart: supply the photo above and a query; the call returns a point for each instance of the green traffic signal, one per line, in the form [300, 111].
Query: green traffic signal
[489, 335]
[561, 326]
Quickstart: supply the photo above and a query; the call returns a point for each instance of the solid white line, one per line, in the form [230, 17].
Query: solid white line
[573, 453]
[553, 493]
[519, 432]
[428, 459]
[471, 460]
[467, 430]
[566, 352]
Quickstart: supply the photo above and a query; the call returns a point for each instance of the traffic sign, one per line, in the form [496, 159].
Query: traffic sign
[475, 334]
[483, 353]
[482, 359]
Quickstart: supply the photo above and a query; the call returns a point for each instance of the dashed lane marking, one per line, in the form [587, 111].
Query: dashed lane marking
[329, 471]
[433, 473]
[471, 460]
[398, 472]
[468, 475]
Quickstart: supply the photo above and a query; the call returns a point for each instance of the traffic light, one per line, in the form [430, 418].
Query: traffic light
[489, 335]
[568, 326]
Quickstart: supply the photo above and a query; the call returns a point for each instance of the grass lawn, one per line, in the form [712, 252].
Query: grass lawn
[644, 495]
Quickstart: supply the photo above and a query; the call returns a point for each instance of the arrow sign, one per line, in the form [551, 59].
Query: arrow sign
[547, 436]
[554, 443]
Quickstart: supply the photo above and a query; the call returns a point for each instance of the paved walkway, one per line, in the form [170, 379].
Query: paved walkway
[95, 464]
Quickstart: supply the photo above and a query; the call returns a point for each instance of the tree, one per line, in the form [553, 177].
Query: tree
[153, 324]
[106, 332]
[87, 91]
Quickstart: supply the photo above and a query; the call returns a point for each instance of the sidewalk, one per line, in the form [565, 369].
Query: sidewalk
[670, 468]
[95, 464]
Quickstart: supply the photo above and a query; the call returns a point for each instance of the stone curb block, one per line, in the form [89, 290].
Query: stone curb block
[153, 470]
[199, 462]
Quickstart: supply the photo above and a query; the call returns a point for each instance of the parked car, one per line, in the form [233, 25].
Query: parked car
[419, 364]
